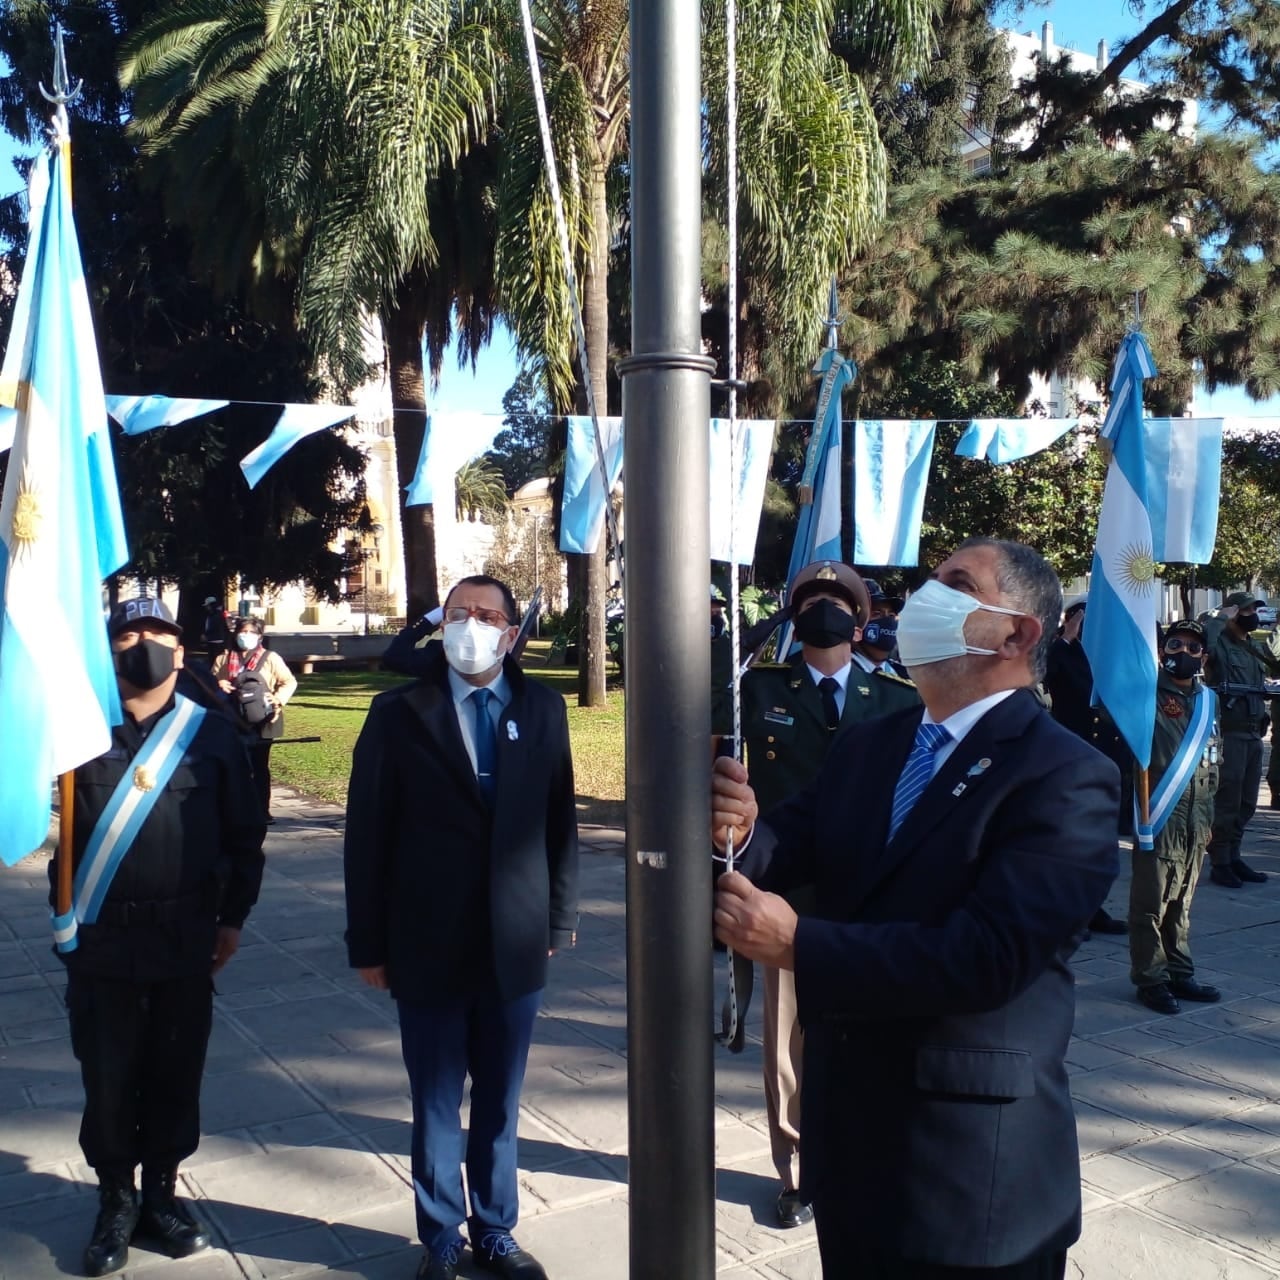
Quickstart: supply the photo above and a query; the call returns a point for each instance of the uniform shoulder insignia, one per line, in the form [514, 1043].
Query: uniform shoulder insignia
[895, 678]
[768, 666]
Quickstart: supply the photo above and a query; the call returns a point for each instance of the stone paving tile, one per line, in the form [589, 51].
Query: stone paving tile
[1119, 1177]
[1156, 1096]
[1237, 1206]
[1122, 1243]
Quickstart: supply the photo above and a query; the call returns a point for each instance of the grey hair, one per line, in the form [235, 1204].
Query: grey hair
[1027, 578]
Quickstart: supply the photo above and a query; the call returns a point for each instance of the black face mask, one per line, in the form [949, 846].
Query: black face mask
[1181, 666]
[881, 633]
[145, 665]
[1247, 621]
[825, 625]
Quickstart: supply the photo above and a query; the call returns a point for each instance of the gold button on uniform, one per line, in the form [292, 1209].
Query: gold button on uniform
[770, 755]
[772, 738]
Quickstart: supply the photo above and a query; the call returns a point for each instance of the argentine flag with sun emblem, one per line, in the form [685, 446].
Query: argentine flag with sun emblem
[60, 526]
[1120, 622]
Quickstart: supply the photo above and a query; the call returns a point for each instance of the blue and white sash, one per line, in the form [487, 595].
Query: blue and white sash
[119, 823]
[1178, 775]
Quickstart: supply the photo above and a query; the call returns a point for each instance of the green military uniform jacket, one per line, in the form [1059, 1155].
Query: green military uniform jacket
[785, 729]
[1239, 662]
[1188, 827]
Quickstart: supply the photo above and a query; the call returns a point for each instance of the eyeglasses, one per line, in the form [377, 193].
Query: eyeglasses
[1177, 645]
[490, 617]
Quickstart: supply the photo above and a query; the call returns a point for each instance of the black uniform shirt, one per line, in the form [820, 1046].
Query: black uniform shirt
[195, 863]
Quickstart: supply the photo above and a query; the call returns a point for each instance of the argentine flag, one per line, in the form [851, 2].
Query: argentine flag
[582, 511]
[60, 527]
[1010, 439]
[1184, 480]
[296, 422]
[1120, 622]
[891, 462]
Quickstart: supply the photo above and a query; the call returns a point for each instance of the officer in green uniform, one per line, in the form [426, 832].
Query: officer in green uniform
[1236, 668]
[791, 712]
[1164, 879]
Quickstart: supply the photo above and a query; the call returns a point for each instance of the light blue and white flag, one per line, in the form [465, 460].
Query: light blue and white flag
[296, 422]
[1120, 622]
[137, 414]
[8, 426]
[61, 530]
[1184, 480]
[450, 441]
[818, 529]
[891, 461]
[1008, 439]
[738, 500]
[582, 511]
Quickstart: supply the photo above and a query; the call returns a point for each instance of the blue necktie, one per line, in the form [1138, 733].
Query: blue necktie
[916, 773]
[486, 744]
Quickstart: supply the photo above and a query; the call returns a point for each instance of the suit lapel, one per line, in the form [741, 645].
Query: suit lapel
[979, 755]
[432, 700]
[514, 736]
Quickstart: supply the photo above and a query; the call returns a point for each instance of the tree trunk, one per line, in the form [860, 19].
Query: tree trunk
[595, 318]
[402, 328]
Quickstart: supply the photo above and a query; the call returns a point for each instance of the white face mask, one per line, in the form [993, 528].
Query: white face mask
[470, 647]
[931, 624]
[248, 640]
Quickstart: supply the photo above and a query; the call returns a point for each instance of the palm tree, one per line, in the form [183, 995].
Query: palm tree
[352, 131]
[812, 182]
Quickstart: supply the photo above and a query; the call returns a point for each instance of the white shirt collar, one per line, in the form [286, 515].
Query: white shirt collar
[841, 677]
[462, 690]
[960, 722]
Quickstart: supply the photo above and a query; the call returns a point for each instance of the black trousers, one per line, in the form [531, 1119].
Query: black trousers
[844, 1257]
[141, 1048]
[260, 762]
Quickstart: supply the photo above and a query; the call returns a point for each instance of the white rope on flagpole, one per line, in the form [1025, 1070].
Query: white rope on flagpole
[571, 276]
[735, 624]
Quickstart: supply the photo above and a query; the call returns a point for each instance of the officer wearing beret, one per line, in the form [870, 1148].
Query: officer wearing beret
[167, 854]
[1236, 667]
[1184, 749]
[791, 713]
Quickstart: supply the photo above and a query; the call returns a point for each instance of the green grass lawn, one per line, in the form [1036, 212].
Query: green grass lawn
[332, 705]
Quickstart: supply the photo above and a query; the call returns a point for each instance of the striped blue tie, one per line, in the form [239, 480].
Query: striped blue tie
[486, 744]
[917, 772]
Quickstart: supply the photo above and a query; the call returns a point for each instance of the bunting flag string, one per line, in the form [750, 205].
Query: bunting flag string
[295, 423]
[450, 441]
[1002, 440]
[137, 414]
[891, 462]
[1184, 481]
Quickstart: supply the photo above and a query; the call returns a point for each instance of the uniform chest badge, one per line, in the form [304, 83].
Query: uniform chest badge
[779, 716]
[144, 779]
[1171, 707]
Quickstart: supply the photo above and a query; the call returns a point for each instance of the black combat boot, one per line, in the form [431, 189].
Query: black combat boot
[165, 1220]
[108, 1250]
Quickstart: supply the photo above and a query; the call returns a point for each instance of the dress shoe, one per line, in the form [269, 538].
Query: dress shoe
[1224, 876]
[1103, 922]
[793, 1211]
[499, 1253]
[108, 1248]
[1246, 873]
[441, 1263]
[1159, 998]
[165, 1220]
[1190, 989]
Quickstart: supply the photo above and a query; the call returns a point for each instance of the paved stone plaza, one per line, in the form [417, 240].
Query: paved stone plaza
[304, 1169]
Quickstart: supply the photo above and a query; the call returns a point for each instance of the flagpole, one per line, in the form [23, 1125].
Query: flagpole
[66, 833]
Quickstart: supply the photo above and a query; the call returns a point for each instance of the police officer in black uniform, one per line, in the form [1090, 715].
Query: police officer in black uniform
[140, 979]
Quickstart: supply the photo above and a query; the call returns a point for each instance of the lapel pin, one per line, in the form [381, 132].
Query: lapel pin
[980, 768]
[959, 790]
[513, 734]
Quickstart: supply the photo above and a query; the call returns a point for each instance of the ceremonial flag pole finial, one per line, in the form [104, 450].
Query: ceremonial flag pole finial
[833, 319]
[63, 94]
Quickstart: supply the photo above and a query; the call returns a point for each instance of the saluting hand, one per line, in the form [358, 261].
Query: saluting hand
[755, 924]
[733, 803]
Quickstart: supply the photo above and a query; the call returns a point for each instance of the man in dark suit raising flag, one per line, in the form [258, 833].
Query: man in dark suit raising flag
[957, 854]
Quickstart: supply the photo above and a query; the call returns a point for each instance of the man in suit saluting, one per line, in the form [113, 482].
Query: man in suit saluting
[462, 878]
[957, 853]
